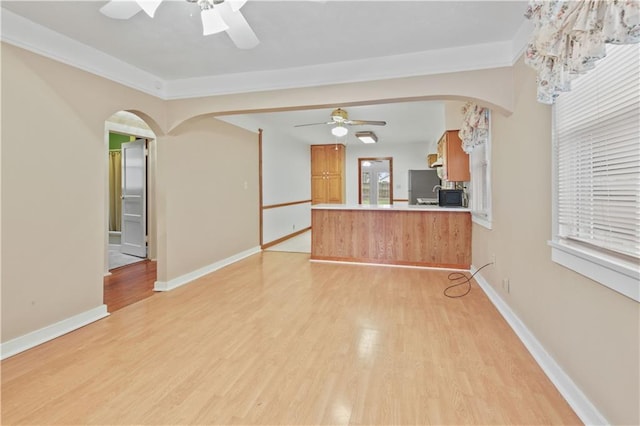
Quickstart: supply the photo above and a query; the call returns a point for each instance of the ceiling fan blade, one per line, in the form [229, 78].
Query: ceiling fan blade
[367, 122]
[149, 6]
[120, 9]
[314, 124]
[239, 30]
[236, 5]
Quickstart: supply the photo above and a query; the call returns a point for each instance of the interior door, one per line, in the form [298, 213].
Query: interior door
[134, 202]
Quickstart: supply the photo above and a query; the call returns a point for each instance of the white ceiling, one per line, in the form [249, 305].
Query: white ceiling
[292, 33]
[408, 122]
[302, 43]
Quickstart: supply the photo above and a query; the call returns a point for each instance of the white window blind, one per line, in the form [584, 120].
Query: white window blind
[597, 143]
[480, 185]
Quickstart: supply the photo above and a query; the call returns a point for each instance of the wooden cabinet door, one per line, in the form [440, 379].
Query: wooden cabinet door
[334, 189]
[327, 174]
[457, 160]
[318, 160]
[318, 190]
[334, 156]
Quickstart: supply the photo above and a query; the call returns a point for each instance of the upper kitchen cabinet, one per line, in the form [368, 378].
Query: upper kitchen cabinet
[327, 174]
[455, 162]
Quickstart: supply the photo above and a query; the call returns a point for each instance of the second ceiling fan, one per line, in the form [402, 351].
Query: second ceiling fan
[340, 119]
[216, 15]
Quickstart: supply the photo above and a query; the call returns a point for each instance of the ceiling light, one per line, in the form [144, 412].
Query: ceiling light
[212, 22]
[149, 6]
[339, 131]
[367, 137]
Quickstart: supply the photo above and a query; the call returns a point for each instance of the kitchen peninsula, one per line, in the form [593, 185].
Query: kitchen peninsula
[392, 234]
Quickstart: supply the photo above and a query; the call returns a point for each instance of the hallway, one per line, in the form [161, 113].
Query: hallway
[129, 284]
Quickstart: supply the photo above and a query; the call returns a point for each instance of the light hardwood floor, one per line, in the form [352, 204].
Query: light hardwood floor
[129, 284]
[276, 339]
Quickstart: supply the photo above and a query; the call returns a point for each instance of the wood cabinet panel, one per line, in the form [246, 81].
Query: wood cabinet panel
[327, 174]
[455, 162]
[318, 160]
[424, 238]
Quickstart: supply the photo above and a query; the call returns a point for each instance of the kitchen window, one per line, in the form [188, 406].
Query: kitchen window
[480, 185]
[596, 156]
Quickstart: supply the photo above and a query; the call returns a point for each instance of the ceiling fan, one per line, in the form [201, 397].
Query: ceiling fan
[340, 119]
[216, 15]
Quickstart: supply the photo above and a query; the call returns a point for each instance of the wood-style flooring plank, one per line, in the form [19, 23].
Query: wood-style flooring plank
[129, 284]
[276, 339]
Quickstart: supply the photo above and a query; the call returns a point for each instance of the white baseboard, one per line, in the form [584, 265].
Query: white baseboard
[50, 332]
[578, 401]
[388, 265]
[187, 278]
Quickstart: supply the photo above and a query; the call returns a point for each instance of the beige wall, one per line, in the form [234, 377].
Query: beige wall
[210, 213]
[491, 86]
[53, 189]
[453, 115]
[591, 331]
[53, 207]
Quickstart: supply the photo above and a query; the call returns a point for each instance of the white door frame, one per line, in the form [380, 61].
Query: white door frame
[112, 127]
[133, 235]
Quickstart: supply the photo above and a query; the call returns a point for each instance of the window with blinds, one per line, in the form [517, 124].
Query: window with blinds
[597, 157]
[480, 185]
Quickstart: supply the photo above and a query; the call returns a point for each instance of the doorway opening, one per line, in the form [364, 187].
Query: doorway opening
[130, 269]
[375, 181]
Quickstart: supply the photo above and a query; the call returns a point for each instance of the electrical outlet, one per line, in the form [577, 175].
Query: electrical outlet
[506, 285]
[493, 259]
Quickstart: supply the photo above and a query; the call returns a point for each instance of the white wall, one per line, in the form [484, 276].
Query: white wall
[406, 157]
[286, 178]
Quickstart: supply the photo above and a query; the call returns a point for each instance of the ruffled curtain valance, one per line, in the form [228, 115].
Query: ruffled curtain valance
[475, 126]
[570, 36]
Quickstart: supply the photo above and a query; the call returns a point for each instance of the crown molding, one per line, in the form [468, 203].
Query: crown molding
[521, 39]
[28, 35]
[467, 58]
[35, 38]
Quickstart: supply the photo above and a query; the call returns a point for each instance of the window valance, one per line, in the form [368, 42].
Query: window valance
[475, 126]
[570, 36]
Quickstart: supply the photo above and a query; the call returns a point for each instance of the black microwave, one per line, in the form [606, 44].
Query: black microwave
[451, 198]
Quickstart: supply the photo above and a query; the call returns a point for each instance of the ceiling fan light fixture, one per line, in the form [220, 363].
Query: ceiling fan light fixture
[339, 131]
[236, 5]
[149, 6]
[212, 22]
[367, 137]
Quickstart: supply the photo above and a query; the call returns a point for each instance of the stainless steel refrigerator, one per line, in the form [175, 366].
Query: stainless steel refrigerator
[421, 183]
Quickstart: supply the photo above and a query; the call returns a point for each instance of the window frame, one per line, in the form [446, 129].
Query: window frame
[482, 218]
[616, 272]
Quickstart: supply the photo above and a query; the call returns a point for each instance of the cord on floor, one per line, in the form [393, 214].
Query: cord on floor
[458, 279]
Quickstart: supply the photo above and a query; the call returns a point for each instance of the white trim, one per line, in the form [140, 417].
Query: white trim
[389, 265]
[139, 132]
[193, 275]
[466, 58]
[482, 221]
[616, 276]
[521, 40]
[50, 332]
[38, 39]
[574, 396]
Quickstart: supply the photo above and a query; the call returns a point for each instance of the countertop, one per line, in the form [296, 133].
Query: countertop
[393, 207]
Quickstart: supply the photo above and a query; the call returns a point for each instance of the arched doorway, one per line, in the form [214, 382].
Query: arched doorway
[130, 190]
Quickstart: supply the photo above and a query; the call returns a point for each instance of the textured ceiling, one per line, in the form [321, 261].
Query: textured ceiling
[292, 33]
